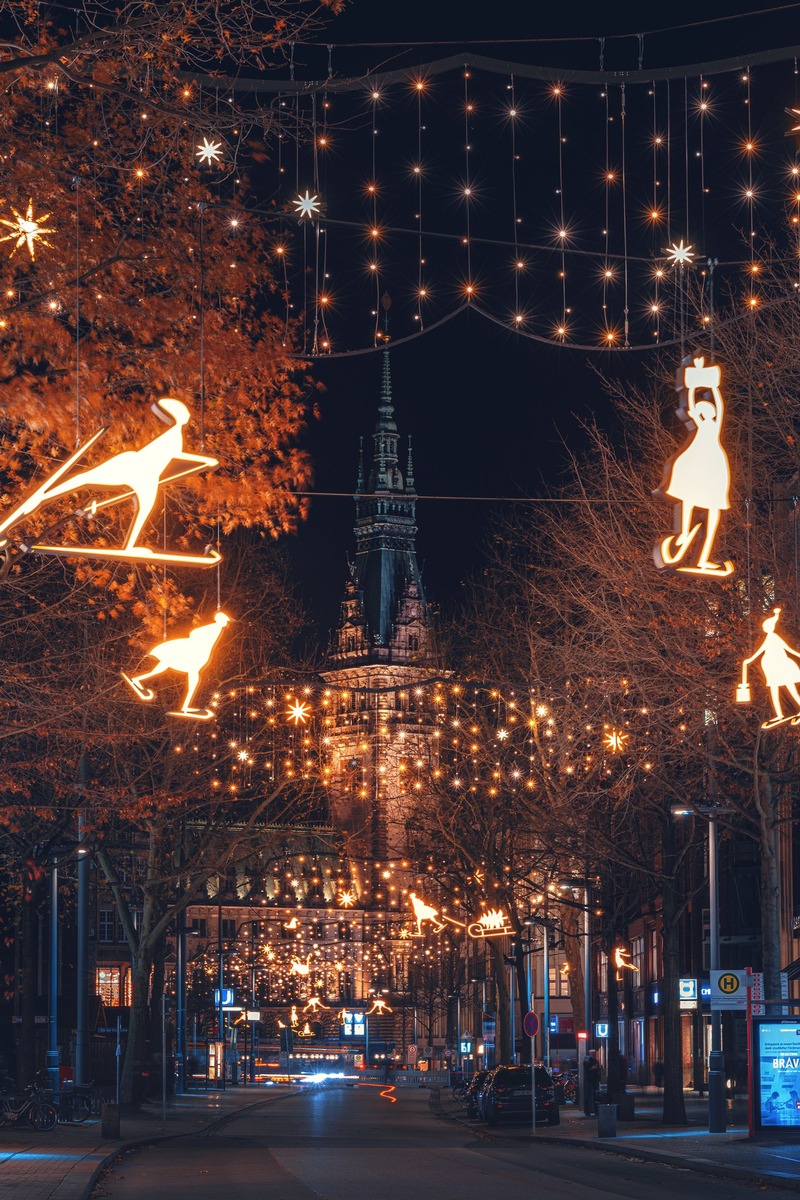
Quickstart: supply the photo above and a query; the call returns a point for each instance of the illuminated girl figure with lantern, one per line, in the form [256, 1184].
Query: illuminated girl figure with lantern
[699, 476]
[781, 667]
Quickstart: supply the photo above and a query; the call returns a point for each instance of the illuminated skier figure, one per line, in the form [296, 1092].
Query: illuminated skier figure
[698, 477]
[780, 665]
[188, 656]
[139, 473]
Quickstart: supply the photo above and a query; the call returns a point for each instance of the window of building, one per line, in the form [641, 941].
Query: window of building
[655, 955]
[228, 928]
[105, 926]
[199, 927]
[318, 930]
[602, 973]
[637, 961]
[345, 931]
[559, 983]
[106, 985]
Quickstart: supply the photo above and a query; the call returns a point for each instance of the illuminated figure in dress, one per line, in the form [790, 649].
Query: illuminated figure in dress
[188, 656]
[698, 477]
[622, 960]
[138, 473]
[780, 665]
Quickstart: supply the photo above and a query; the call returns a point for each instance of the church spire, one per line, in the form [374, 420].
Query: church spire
[384, 616]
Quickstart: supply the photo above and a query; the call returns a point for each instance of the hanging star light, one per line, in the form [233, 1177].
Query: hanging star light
[26, 230]
[307, 206]
[209, 152]
[298, 712]
[615, 741]
[793, 112]
[680, 255]
[345, 899]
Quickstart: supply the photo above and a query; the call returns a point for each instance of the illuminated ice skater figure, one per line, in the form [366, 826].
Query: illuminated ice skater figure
[698, 477]
[780, 665]
[139, 473]
[188, 656]
[424, 912]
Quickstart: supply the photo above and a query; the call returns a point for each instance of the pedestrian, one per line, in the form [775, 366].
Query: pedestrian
[591, 1077]
[658, 1073]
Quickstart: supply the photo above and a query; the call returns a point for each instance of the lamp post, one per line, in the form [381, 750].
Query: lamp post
[717, 1122]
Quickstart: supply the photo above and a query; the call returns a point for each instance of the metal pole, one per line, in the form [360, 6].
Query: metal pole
[717, 1122]
[512, 1032]
[164, 1062]
[51, 1059]
[221, 1014]
[546, 1012]
[587, 993]
[180, 996]
[82, 962]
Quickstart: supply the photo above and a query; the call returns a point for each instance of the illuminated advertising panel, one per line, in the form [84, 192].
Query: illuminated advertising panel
[777, 1072]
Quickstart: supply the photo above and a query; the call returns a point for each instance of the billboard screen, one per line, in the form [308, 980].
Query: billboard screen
[777, 1072]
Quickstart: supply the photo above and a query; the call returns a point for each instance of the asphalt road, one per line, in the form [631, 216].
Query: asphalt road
[356, 1144]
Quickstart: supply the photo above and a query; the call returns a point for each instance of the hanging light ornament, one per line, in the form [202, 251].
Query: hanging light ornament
[307, 206]
[780, 664]
[133, 475]
[698, 477]
[26, 230]
[209, 153]
[188, 656]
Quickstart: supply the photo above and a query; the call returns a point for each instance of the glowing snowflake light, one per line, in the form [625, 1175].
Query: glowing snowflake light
[25, 230]
[209, 152]
[615, 741]
[680, 255]
[307, 205]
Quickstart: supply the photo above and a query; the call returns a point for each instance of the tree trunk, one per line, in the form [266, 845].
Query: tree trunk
[674, 1104]
[30, 931]
[135, 1067]
[503, 1047]
[770, 887]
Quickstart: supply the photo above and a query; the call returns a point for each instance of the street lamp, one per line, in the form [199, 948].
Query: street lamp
[717, 1122]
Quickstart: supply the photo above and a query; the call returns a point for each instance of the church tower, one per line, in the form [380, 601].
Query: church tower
[378, 651]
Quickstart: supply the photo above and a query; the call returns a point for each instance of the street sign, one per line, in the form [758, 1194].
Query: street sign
[530, 1023]
[687, 989]
[729, 989]
[601, 1029]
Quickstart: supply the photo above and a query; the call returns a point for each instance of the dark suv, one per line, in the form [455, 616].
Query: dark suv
[507, 1095]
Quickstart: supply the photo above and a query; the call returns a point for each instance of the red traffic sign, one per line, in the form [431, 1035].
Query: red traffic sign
[530, 1023]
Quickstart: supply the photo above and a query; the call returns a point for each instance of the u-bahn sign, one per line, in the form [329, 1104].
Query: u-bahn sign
[729, 989]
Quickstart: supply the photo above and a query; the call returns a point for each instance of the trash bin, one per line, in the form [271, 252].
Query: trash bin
[606, 1120]
[109, 1120]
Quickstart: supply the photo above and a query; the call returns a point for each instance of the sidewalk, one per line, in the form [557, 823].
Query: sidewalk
[66, 1163]
[772, 1159]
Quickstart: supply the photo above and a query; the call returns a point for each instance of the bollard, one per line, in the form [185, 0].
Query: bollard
[606, 1120]
[109, 1120]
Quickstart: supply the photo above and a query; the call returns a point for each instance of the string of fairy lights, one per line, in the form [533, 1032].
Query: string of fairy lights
[551, 208]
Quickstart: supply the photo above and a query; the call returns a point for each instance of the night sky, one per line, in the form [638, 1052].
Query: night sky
[489, 413]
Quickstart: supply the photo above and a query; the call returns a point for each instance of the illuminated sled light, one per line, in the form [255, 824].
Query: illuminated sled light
[188, 656]
[493, 923]
[698, 477]
[209, 152]
[26, 230]
[135, 475]
[780, 665]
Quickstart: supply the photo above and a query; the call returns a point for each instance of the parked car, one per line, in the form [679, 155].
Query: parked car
[507, 1096]
[471, 1094]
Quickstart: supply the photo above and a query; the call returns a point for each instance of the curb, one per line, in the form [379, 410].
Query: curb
[703, 1166]
[123, 1147]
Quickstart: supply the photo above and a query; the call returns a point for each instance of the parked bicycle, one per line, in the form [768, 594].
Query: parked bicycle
[76, 1103]
[28, 1108]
